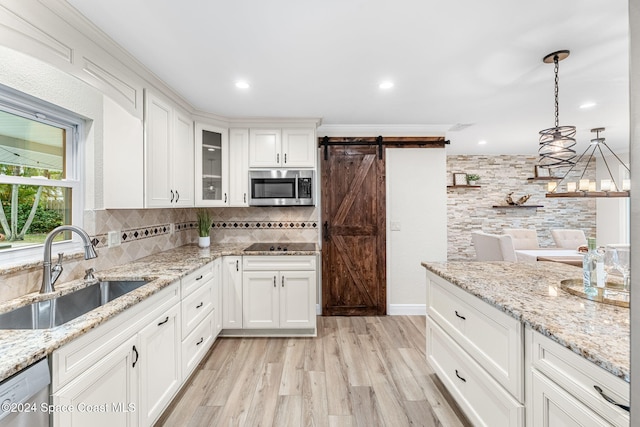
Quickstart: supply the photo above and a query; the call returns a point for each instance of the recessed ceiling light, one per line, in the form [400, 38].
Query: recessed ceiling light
[588, 105]
[386, 85]
[482, 142]
[242, 85]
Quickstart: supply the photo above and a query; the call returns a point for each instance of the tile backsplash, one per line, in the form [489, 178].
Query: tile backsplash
[144, 232]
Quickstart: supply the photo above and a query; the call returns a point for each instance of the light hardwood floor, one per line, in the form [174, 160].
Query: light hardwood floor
[358, 371]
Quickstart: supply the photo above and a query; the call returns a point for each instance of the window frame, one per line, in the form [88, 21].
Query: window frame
[30, 107]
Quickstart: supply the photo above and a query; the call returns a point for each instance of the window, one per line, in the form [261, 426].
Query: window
[39, 174]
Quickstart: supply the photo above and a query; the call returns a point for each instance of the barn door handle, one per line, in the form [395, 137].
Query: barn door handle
[326, 230]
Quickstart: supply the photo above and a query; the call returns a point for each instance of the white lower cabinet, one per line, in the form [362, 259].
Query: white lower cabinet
[160, 367]
[479, 395]
[231, 292]
[478, 353]
[562, 388]
[279, 292]
[105, 395]
[200, 308]
[126, 371]
[503, 374]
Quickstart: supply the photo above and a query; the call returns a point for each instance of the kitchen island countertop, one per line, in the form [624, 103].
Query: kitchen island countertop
[531, 293]
[21, 348]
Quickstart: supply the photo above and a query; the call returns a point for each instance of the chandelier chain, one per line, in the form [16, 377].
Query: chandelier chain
[555, 70]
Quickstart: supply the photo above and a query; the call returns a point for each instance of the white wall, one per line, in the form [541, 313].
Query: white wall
[416, 223]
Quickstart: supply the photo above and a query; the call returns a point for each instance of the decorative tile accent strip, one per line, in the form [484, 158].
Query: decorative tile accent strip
[134, 234]
[273, 225]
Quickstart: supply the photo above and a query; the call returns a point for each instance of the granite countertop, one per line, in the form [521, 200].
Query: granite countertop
[530, 292]
[21, 348]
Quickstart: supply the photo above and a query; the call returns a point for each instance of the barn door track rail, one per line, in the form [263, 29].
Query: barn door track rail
[380, 142]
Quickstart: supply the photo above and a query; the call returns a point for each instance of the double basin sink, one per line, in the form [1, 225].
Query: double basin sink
[60, 310]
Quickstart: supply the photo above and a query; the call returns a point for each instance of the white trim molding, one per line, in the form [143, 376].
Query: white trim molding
[407, 310]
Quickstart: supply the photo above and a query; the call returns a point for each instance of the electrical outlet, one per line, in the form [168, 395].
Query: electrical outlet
[113, 239]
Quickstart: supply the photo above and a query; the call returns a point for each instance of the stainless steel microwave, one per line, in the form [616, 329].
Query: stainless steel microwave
[282, 187]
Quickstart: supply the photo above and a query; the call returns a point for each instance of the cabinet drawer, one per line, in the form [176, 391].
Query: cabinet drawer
[579, 376]
[196, 345]
[484, 401]
[196, 278]
[74, 358]
[276, 262]
[196, 307]
[492, 338]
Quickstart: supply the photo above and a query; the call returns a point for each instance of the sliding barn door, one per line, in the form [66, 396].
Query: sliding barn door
[353, 217]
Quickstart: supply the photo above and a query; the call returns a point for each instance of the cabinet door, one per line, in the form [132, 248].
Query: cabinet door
[160, 366]
[265, 146]
[232, 292]
[298, 148]
[109, 387]
[212, 163]
[217, 297]
[297, 299]
[260, 299]
[183, 160]
[552, 406]
[239, 173]
[158, 121]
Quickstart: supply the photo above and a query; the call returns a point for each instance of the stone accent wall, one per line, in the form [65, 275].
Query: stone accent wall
[470, 209]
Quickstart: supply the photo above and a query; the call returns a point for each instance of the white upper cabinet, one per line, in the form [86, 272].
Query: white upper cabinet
[299, 148]
[123, 149]
[282, 148]
[212, 165]
[239, 167]
[169, 155]
[182, 154]
[265, 146]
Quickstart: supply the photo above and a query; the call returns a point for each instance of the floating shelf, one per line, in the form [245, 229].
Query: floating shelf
[463, 186]
[590, 194]
[544, 178]
[516, 206]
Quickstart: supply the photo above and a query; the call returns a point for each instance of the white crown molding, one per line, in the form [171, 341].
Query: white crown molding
[384, 130]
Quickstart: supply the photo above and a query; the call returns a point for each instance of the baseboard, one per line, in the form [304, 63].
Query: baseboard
[407, 309]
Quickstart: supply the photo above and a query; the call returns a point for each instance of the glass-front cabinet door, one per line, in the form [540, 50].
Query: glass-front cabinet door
[212, 183]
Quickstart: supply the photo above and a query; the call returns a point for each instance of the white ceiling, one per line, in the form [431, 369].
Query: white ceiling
[452, 62]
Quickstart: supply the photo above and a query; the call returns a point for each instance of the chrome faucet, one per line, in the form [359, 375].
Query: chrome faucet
[49, 277]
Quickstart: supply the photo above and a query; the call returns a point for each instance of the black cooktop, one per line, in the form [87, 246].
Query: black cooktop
[281, 246]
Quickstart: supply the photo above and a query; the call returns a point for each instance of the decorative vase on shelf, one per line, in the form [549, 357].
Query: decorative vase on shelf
[204, 242]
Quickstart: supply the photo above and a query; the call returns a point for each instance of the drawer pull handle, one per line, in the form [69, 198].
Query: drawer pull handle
[166, 319]
[458, 375]
[135, 350]
[199, 277]
[274, 281]
[462, 317]
[200, 305]
[610, 400]
[283, 281]
[201, 341]
[237, 265]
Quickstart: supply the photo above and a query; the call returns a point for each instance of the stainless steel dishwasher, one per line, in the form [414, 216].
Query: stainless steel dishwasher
[24, 397]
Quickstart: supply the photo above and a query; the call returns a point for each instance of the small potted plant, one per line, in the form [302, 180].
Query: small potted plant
[472, 178]
[204, 228]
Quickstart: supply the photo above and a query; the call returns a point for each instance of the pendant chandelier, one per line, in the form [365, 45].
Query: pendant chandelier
[585, 187]
[556, 143]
